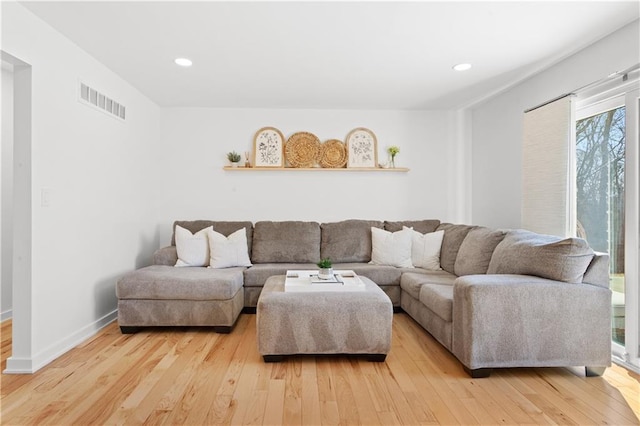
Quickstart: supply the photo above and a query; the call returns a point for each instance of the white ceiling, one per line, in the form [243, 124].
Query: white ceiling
[364, 55]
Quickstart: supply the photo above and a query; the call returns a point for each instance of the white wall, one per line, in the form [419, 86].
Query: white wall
[99, 222]
[6, 199]
[497, 124]
[194, 186]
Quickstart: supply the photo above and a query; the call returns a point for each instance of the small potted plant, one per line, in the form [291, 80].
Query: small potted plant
[393, 151]
[326, 271]
[234, 158]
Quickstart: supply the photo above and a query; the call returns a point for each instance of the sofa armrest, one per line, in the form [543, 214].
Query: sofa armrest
[165, 256]
[526, 321]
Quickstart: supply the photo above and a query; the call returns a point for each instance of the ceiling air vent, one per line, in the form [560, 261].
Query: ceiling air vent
[91, 97]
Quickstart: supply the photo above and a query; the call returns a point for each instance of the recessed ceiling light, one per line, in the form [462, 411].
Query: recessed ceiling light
[462, 67]
[183, 62]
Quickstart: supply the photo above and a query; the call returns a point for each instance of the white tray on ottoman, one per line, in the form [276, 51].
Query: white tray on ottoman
[323, 322]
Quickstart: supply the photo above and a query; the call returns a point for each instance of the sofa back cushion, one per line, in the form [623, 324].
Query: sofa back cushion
[527, 253]
[422, 226]
[225, 228]
[348, 241]
[453, 237]
[476, 249]
[286, 242]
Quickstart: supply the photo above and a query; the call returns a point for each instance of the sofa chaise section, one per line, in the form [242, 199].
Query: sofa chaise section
[161, 295]
[164, 295]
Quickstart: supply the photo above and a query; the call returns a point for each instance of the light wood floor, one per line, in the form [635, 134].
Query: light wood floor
[195, 377]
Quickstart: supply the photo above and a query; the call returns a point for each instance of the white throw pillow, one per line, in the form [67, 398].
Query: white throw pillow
[391, 248]
[193, 249]
[425, 249]
[227, 252]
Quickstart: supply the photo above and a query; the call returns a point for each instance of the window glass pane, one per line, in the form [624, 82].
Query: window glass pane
[600, 162]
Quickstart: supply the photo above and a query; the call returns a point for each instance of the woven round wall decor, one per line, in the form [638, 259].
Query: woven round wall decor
[302, 149]
[333, 154]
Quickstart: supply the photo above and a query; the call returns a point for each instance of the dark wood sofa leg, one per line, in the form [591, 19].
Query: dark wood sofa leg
[222, 329]
[125, 329]
[478, 373]
[272, 358]
[594, 371]
[376, 357]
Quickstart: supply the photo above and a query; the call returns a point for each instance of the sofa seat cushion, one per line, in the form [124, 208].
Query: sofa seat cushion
[411, 282]
[162, 282]
[527, 253]
[379, 274]
[257, 275]
[286, 242]
[438, 298]
[348, 241]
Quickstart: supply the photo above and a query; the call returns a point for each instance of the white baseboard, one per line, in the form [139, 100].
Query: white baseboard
[6, 315]
[31, 365]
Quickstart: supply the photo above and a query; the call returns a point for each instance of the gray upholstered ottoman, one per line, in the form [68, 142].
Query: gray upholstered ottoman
[356, 322]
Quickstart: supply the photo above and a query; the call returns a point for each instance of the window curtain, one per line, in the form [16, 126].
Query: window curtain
[548, 168]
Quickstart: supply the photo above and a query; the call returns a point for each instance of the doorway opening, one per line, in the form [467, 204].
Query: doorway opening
[18, 245]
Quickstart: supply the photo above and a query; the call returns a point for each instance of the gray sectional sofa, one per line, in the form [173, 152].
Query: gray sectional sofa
[504, 298]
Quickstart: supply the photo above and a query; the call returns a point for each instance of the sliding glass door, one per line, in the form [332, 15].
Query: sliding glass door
[600, 190]
[607, 203]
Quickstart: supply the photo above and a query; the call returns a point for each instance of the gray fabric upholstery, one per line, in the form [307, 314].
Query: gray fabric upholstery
[453, 237]
[165, 256]
[528, 253]
[393, 293]
[422, 226]
[225, 228]
[251, 295]
[286, 242]
[411, 282]
[348, 241]
[146, 313]
[259, 272]
[323, 323]
[439, 298]
[432, 323]
[598, 271]
[379, 274]
[476, 249]
[161, 282]
[525, 321]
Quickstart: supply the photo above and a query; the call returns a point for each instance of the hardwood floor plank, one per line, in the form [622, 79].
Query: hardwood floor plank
[98, 404]
[179, 375]
[310, 396]
[274, 411]
[147, 396]
[347, 408]
[293, 392]
[362, 398]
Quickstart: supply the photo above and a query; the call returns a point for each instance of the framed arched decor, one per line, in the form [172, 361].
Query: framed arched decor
[268, 148]
[362, 148]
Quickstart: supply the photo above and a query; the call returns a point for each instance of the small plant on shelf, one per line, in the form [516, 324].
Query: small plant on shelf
[393, 151]
[234, 158]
